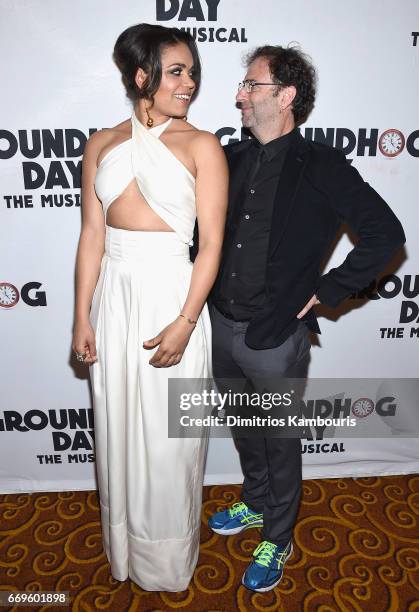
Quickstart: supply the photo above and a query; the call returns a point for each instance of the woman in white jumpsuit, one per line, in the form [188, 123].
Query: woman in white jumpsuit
[144, 184]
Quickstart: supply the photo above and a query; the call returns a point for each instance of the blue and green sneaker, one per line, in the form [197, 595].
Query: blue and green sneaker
[235, 519]
[267, 567]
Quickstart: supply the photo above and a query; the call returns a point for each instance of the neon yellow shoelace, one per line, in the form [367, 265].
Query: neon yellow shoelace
[237, 508]
[265, 553]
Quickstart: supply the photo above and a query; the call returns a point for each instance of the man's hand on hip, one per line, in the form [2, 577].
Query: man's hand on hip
[307, 307]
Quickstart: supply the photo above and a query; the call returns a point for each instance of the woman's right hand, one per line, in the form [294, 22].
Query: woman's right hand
[84, 341]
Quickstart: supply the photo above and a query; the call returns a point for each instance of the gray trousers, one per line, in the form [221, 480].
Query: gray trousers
[271, 466]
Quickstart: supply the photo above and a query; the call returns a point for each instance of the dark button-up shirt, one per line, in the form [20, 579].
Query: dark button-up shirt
[240, 288]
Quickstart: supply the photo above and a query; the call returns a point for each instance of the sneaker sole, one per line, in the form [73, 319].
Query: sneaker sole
[236, 529]
[272, 586]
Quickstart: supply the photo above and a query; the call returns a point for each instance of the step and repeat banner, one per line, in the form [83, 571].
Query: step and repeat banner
[59, 85]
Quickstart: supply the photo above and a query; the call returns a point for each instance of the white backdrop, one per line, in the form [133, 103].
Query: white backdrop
[59, 83]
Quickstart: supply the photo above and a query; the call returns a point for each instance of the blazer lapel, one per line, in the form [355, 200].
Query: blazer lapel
[291, 175]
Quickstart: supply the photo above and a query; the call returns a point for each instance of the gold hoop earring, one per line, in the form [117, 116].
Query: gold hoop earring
[150, 120]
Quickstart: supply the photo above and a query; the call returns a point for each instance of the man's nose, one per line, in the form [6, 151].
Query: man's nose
[241, 95]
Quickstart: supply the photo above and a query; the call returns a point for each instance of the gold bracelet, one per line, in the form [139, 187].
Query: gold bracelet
[191, 321]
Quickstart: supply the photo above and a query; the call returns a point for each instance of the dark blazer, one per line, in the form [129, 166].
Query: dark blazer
[317, 192]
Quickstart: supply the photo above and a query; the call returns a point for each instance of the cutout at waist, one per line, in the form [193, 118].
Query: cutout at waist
[131, 211]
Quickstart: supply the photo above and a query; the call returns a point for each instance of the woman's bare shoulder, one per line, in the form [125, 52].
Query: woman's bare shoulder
[196, 136]
[121, 128]
[204, 144]
[103, 140]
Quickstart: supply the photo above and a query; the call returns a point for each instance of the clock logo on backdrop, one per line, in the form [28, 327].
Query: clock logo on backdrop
[362, 407]
[391, 143]
[9, 295]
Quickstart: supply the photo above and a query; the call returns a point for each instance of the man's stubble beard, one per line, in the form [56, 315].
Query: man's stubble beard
[263, 117]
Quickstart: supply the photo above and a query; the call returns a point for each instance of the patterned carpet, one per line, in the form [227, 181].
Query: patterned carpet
[356, 548]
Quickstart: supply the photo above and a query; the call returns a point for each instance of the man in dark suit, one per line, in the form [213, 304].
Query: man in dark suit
[288, 198]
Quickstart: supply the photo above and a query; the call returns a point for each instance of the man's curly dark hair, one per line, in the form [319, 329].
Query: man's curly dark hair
[290, 66]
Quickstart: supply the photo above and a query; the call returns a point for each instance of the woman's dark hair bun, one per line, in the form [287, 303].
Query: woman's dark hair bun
[140, 46]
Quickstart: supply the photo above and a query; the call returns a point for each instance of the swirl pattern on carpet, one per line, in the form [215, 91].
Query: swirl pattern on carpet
[356, 548]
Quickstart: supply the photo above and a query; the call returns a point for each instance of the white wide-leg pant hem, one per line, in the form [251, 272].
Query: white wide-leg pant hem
[153, 564]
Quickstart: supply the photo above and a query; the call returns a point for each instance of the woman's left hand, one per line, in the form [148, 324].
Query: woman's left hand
[172, 342]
